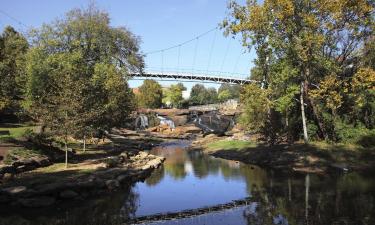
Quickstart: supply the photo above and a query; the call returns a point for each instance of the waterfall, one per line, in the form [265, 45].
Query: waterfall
[166, 121]
[141, 122]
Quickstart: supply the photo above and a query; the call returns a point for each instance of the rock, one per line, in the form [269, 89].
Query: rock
[122, 178]
[152, 129]
[21, 169]
[142, 155]
[15, 190]
[8, 176]
[52, 187]
[68, 194]
[42, 161]
[42, 201]
[146, 167]
[124, 155]
[112, 184]
[7, 169]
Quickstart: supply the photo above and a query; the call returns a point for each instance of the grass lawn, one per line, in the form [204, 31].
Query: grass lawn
[229, 145]
[15, 131]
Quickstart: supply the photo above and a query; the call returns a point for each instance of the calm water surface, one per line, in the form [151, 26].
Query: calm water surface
[190, 180]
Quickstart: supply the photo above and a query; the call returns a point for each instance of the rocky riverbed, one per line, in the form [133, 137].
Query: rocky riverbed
[109, 175]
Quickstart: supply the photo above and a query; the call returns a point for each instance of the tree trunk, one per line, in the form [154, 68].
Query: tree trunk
[66, 153]
[84, 143]
[305, 136]
[318, 119]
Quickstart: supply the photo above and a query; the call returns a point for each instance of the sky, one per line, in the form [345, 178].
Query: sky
[160, 24]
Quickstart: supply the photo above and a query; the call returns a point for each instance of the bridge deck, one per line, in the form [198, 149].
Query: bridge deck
[198, 77]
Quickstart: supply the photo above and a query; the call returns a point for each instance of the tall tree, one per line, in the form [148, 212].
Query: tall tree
[200, 95]
[13, 47]
[174, 95]
[81, 59]
[313, 38]
[150, 94]
[227, 91]
[197, 95]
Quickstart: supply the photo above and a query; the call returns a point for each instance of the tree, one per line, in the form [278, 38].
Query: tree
[197, 95]
[200, 95]
[174, 95]
[313, 39]
[224, 95]
[13, 47]
[210, 96]
[227, 91]
[150, 94]
[77, 73]
[256, 105]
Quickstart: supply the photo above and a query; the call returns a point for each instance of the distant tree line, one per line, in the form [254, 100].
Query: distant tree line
[152, 95]
[315, 68]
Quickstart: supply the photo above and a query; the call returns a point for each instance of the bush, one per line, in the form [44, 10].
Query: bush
[348, 133]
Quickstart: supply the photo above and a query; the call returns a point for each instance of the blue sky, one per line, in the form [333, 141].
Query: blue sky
[160, 24]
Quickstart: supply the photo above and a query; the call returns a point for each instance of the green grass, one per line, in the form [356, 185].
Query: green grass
[230, 144]
[15, 132]
[21, 153]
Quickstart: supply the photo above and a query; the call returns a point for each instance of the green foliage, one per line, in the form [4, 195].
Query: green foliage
[224, 95]
[200, 95]
[227, 91]
[256, 107]
[348, 133]
[313, 59]
[76, 73]
[21, 153]
[13, 47]
[150, 95]
[173, 95]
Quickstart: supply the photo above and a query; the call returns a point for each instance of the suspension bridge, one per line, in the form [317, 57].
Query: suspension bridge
[191, 77]
[192, 74]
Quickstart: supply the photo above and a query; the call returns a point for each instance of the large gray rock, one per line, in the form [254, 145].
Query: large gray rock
[41, 201]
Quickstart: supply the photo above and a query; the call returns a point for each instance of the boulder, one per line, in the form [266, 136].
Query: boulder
[36, 202]
[42, 162]
[68, 194]
[15, 190]
[7, 169]
[112, 184]
[122, 178]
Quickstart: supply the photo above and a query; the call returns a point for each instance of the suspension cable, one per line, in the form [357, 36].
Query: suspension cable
[195, 55]
[183, 43]
[236, 64]
[212, 47]
[178, 59]
[225, 55]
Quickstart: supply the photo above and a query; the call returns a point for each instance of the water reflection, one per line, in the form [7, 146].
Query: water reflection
[191, 180]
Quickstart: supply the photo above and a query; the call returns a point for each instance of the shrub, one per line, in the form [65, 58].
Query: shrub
[359, 134]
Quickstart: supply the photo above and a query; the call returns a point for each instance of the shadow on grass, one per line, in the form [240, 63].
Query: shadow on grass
[301, 154]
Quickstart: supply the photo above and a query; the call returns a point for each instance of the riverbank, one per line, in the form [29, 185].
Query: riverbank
[316, 157]
[101, 168]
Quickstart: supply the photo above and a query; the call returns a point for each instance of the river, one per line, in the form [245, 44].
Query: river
[192, 180]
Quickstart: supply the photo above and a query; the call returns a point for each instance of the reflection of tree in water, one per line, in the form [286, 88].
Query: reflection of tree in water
[312, 200]
[156, 176]
[203, 165]
[110, 209]
[176, 170]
